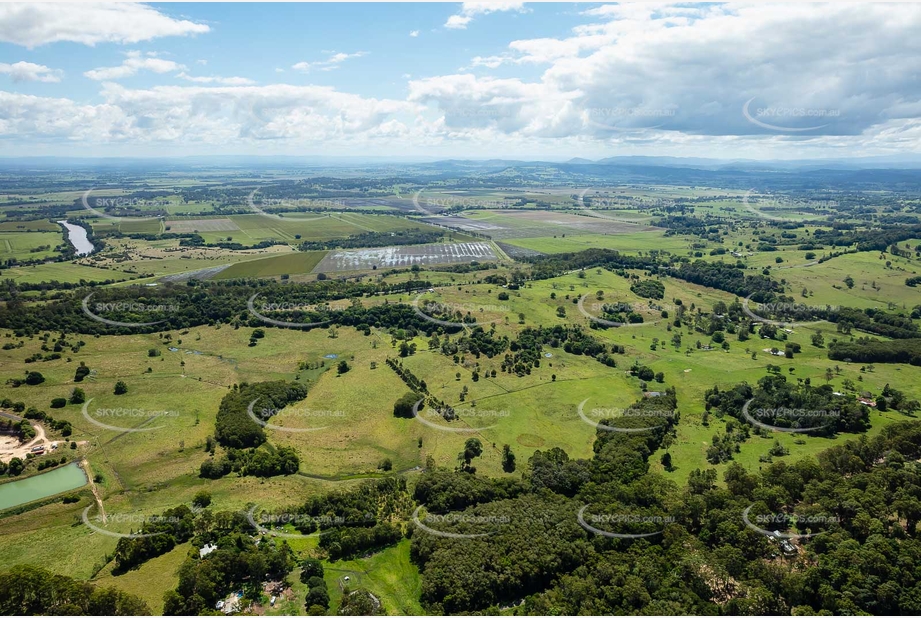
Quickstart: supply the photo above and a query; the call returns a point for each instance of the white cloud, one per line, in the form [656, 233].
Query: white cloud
[224, 81]
[34, 24]
[658, 72]
[329, 64]
[29, 72]
[469, 10]
[413, 33]
[206, 115]
[134, 63]
[632, 79]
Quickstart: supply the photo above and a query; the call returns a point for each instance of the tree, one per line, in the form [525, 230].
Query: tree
[403, 408]
[818, 340]
[849, 282]
[342, 367]
[311, 567]
[34, 377]
[82, 372]
[317, 596]
[829, 375]
[121, 388]
[667, 462]
[508, 459]
[78, 396]
[202, 499]
[472, 448]
[561, 312]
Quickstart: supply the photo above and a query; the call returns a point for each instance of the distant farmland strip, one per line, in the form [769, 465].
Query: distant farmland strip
[405, 256]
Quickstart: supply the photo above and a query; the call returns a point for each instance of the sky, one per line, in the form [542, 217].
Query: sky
[476, 80]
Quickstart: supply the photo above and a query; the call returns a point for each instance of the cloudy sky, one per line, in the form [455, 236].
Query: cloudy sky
[478, 80]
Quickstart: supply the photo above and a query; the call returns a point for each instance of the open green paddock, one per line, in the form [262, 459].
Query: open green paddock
[20, 245]
[299, 262]
[626, 242]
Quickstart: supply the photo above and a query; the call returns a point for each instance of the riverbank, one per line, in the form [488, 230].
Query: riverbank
[77, 237]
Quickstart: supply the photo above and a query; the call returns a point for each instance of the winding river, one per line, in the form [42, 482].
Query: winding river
[77, 237]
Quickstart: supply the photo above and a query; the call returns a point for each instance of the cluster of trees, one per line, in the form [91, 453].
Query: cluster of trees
[27, 590]
[363, 518]
[173, 527]
[862, 497]
[317, 599]
[237, 563]
[648, 288]
[235, 428]
[260, 461]
[777, 402]
[242, 437]
[867, 350]
[729, 278]
[527, 349]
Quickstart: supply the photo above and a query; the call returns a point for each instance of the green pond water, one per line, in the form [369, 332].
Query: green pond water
[41, 486]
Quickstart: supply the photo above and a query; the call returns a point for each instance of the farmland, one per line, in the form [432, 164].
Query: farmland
[387, 304]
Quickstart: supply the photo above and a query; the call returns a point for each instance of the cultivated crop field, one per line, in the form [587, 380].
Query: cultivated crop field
[405, 256]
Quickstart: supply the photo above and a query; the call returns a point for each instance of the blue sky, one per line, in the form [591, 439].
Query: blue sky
[480, 80]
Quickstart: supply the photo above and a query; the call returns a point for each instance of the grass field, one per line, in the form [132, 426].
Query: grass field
[300, 262]
[25, 245]
[627, 242]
